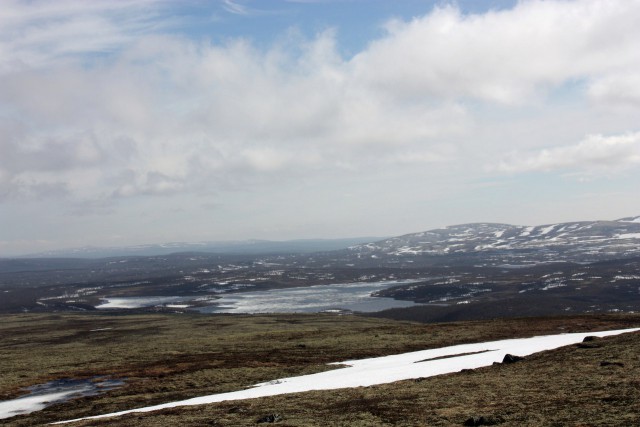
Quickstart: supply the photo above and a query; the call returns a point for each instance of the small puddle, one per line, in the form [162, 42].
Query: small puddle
[42, 395]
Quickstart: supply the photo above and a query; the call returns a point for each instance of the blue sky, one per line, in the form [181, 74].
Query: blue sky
[148, 121]
[356, 21]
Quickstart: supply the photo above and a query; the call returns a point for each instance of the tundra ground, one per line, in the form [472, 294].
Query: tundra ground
[164, 358]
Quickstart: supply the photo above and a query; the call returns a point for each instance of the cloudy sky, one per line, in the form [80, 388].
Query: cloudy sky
[149, 121]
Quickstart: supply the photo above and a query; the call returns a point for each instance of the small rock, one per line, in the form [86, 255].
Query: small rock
[510, 358]
[473, 421]
[590, 338]
[483, 421]
[272, 418]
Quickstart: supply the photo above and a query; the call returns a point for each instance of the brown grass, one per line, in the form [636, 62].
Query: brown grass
[172, 357]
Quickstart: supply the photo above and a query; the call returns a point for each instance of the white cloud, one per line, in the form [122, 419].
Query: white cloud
[503, 56]
[38, 33]
[617, 89]
[193, 113]
[98, 102]
[596, 153]
[235, 7]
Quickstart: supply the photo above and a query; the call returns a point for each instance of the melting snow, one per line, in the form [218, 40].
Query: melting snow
[546, 230]
[626, 277]
[28, 404]
[382, 370]
[526, 231]
[629, 236]
[44, 395]
[636, 219]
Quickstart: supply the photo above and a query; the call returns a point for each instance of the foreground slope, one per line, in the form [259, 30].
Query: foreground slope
[595, 385]
[388, 369]
[163, 358]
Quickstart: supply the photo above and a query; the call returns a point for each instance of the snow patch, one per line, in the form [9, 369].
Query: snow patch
[547, 230]
[636, 219]
[57, 391]
[628, 236]
[526, 231]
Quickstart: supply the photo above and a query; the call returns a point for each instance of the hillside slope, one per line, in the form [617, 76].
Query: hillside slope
[510, 244]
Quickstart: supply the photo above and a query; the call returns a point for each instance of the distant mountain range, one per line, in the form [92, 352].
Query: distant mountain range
[481, 243]
[247, 247]
[586, 241]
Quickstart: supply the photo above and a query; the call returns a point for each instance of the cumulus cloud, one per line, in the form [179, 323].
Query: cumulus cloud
[503, 56]
[169, 108]
[596, 153]
[100, 102]
[622, 89]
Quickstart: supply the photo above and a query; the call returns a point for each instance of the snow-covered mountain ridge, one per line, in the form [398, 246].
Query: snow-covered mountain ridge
[571, 241]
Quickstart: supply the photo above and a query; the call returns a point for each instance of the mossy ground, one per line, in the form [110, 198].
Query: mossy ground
[171, 357]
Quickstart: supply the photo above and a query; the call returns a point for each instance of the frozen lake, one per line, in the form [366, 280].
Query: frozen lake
[311, 299]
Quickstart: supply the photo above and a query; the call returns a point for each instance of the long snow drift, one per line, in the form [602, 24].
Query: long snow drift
[382, 370]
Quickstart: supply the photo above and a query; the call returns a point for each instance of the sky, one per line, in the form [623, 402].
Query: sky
[151, 121]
